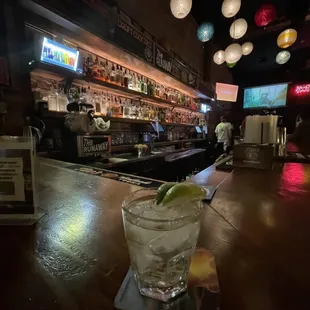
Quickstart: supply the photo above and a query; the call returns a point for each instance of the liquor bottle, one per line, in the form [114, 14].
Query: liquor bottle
[107, 69]
[126, 108]
[103, 106]
[113, 74]
[126, 79]
[123, 77]
[62, 100]
[152, 89]
[134, 111]
[145, 86]
[141, 83]
[117, 75]
[52, 100]
[89, 63]
[102, 70]
[131, 81]
[95, 68]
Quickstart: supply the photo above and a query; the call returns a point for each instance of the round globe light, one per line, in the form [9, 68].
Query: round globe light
[283, 57]
[230, 8]
[219, 57]
[247, 48]
[180, 8]
[230, 65]
[205, 32]
[233, 53]
[287, 38]
[265, 15]
[238, 28]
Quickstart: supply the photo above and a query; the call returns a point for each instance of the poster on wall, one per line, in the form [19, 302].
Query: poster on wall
[17, 186]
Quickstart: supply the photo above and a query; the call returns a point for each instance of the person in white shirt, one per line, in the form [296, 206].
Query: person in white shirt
[223, 133]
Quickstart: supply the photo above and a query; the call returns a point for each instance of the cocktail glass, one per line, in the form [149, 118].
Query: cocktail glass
[161, 241]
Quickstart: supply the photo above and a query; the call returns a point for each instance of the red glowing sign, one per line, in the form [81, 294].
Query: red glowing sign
[301, 90]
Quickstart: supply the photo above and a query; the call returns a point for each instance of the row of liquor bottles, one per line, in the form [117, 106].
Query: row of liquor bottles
[112, 105]
[108, 104]
[105, 70]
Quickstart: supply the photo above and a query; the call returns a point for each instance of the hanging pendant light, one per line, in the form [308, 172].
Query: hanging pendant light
[265, 15]
[205, 32]
[180, 8]
[283, 57]
[219, 57]
[230, 8]
[233, 53]
[230, 65]
[238, 28]
[287, 38]
[247, 48]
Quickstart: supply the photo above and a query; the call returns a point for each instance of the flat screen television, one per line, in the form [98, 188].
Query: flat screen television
[226, 92]
[270, 96]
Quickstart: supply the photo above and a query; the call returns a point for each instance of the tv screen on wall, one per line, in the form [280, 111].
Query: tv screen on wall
[226, 92]
[270, 96]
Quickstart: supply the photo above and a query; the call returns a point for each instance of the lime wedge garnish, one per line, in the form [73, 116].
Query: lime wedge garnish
[162, 190]
[183, 192]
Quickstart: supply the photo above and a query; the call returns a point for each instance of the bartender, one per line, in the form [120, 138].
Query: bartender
[223, 133]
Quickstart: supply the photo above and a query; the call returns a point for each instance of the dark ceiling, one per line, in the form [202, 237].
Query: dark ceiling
[260, 66]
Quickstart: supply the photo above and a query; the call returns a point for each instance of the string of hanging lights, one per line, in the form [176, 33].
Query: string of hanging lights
[265, 15]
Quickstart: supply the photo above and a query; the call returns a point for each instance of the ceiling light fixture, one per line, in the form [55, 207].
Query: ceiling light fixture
[180, 8]
[265, 15]
[283, 57]
[287, 38]
[205, 32]
[230, 8]
[230, 65]
[233, 53]
[238, 28]
[247, 48]
[219, 57]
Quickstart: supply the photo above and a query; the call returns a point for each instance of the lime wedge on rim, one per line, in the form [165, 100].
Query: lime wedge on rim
[162, 190]
[183, 192]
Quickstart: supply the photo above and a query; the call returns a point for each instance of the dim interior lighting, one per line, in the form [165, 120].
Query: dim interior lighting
[180, 8]
[283, 57]
[230, 8]
[238, 28]
[265, 15]
[205, 32]
[219, 57]
[233, 53]
[247, 48]
[287, 38]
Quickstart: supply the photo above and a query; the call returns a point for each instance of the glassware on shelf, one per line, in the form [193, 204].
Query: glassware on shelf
[112, 74]
[62, 101]
[52, 100]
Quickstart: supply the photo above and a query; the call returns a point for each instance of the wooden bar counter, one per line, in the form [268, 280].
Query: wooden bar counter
[258, 227]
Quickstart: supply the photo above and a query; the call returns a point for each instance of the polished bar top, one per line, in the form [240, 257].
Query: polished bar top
[76, 256]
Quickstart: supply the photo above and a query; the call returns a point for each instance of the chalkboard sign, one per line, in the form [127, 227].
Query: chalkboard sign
[134, 41]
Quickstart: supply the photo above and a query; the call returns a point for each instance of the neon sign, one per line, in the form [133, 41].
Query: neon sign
[59, 55]
[302, 89]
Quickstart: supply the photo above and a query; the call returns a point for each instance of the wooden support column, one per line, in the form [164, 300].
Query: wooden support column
[15, 54]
